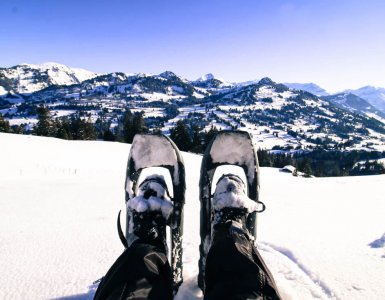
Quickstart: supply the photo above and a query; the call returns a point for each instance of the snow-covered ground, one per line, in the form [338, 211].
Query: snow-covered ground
[322, 237]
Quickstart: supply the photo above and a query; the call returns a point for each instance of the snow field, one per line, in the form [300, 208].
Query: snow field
[59, 202]
[325, 227]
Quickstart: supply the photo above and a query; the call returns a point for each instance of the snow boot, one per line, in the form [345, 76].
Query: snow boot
[231, 207]
[230, 202]
[143, 271]
[234, 268]
[228, 149]
[150, 210]
[149, 206]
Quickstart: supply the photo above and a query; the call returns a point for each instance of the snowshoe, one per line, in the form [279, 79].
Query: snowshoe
[233, 200]
[150, 208]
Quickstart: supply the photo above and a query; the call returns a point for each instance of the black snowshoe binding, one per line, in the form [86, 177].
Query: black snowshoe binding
[223, 213]
[234, 203]
[150, 224]
[150, 208]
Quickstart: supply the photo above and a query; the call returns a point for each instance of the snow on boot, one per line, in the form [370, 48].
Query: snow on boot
[151, 209]
[230, 202]
[232, 253]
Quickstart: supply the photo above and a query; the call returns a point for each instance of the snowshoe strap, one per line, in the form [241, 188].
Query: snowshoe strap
[262, 208]
[233, 177]
[120, 232]
[158, 180]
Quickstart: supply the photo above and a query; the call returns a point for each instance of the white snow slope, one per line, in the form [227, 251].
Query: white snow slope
[27, 76]
[321, 237]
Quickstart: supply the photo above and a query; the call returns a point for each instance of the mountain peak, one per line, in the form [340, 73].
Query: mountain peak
[374, 95]
[51, 64]
[42, 66]
[266, 81]
[308, 87]
[168, 75]
[370, 88]
[206, 77]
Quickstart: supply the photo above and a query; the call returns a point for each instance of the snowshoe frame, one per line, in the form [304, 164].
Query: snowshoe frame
[141, 146]
[230, 143]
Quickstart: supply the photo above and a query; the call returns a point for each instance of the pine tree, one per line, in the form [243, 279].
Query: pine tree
[306, 168]
[108, 135]
[64, 128]
[139, 126]
[264, 158]
[123, 124]
[102, 128]
[127, 127]
[45, 125]
[81, 129]
[209, 136]
[4, 124]
[18, 129]
[61, 131]
[76, 128]
[89, 130]
[180, 136]
[196, 145]
[133, 124]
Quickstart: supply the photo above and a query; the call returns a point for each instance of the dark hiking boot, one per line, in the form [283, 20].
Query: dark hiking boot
[150, 210]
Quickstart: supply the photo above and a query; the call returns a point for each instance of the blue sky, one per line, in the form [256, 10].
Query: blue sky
[337, 44]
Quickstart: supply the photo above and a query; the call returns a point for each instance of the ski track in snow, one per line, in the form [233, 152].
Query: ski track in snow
[293, 269]
[59, 202]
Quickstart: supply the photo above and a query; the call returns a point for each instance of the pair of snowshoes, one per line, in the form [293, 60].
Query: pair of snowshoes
[151, 209]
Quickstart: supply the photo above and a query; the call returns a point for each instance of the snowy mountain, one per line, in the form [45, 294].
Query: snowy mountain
[206, 77]
[308, 87]
[59, 202]
[374, 95]
[145, 87]
[209, 81]
[271, 104]
[283, 117]
[28, 78]
[168, 75]
[355, 104]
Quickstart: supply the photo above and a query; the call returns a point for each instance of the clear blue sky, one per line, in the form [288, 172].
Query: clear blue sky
[337, 44]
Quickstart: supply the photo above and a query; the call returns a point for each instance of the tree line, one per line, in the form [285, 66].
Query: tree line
[78, 127]
[193, 138]
[326, 163]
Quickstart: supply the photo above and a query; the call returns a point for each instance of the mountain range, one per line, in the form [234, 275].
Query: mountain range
[286, 115]
[22, 80]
